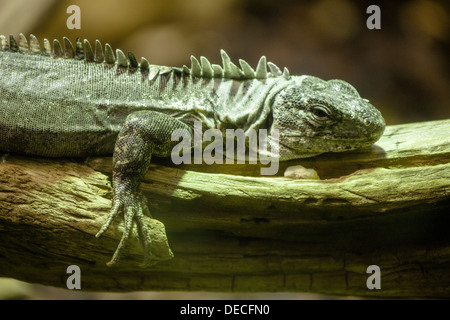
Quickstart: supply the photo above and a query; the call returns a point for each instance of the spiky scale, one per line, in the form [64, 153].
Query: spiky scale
[122, 60]
[200, 69]
[154, 72]
[196, 69]
[274, 69]
[170, 82]
[69, 51]
[177, 70]
[47, 48]
[144, 65]
[218, 71]
[99, 54]
[79, 50]
[13, 44]
[35, 47]
[164, 70]
[109, 55]
[286, 73]
[23, 44]
[261, 69]
[88, 53]
[3, 43]
[207, 70]
[225, 62]
[249, 73]
[57, 50]
[230, 70]
[132, 59]
[236, 71]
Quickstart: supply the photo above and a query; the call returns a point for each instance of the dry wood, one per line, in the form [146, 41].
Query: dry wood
[233, 230]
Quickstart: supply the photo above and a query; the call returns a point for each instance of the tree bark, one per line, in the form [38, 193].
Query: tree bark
[231, 229]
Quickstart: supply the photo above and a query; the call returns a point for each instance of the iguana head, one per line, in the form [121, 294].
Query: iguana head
[314, 116]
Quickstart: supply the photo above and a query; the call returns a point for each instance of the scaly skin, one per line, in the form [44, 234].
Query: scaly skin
[66, 102]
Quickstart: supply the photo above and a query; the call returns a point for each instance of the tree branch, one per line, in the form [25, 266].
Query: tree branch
[233, 230]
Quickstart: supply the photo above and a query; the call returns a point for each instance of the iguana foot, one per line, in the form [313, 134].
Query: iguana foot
[143, 134]
[133, 206]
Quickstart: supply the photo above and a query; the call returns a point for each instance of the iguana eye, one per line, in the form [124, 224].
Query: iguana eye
[320, 112]
[320, 115]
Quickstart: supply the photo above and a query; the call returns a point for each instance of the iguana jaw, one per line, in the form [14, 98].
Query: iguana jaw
[315, 116]
[321, 142]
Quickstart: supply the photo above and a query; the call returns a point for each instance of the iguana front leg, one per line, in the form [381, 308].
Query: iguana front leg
[145, 133]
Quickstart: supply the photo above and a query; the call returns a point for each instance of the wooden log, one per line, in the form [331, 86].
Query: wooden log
[231, 229]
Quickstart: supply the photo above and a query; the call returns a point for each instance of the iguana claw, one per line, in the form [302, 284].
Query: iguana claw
[133, 206]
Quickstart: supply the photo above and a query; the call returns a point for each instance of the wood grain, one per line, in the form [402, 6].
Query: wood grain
[233, 230]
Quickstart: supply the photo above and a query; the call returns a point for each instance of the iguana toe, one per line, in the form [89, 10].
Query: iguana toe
[134, 208]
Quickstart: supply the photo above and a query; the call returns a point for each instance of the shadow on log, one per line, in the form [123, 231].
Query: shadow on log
[233, 230]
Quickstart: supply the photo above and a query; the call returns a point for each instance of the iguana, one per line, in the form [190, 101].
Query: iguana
[66, 101]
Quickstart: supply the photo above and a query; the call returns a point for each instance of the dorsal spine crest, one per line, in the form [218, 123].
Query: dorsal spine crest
[83, 51]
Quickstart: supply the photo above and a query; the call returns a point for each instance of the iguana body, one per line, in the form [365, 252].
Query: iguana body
[66, 102]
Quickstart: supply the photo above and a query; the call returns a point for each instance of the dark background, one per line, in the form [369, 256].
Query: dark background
[403, 69]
